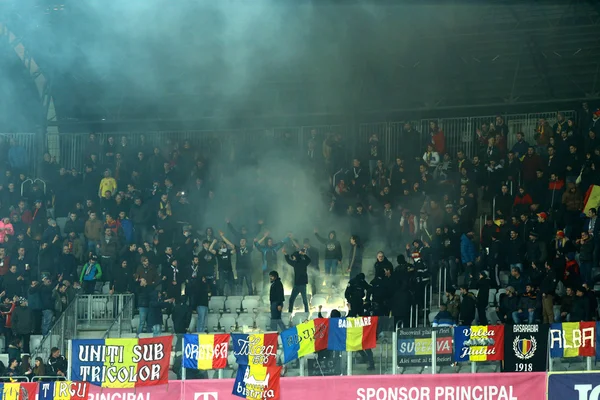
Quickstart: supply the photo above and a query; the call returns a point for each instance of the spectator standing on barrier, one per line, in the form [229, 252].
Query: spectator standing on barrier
[299, 261]
[333, 252]
[57, 364]
[276, 298]
[269, 255]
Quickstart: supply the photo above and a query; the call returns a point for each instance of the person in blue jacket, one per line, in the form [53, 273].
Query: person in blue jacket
[126, 227]
[90, 273]
[468, 253]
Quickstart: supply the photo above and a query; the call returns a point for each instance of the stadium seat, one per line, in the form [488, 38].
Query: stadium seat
[233, 305]
[106, 288]
[504, 276]
[255, 297]
[145, 335]
[192, 325]
[212, 323]
[263, 322]
[227, 322]
[285, 317]
[245, 320]
[318, 300]
[4, 359]
[315, 314]
[135, 321]
[250, 305]
[299, 318]
[216, 304]
[492, 297]
[337, 302]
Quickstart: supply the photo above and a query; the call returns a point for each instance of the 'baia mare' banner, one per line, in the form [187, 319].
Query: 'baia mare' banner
[122, 363]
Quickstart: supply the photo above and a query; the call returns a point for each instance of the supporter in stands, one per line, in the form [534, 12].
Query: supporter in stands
[57, 364]
[23, 323]
[528, 303]
[276, 299]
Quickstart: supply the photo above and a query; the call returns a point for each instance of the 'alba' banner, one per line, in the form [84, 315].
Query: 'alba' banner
[122, 363]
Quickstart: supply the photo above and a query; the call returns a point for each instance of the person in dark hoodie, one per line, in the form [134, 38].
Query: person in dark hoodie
[122, 279]
[382, 292]
[468, 306]
[381, 263]
[402, 299]
[300, 262]
[356, 256]
[483, 284]
[181, 315]
[276, 298]
[155, 316]
[355, 293]
[333, 252]
[509, 303]
[23, 324]
[581, 306]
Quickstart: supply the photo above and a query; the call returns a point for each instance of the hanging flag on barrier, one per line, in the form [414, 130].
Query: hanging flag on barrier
[205, 351]
[63, 390]
[122, 363]
[255, 349]
[352, 334]
[573, 339]
[256, 382]
[414, 346]
[479, 343]
[18, 390]
[525, 348]
[305, 338]
[562, 386]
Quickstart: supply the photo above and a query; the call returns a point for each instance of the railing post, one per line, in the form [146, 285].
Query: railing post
[301, 362]
[183, 369]
[473, 367]
[395, 351]
[349, 363]
[433, 351]
[69, 359]
[588, 363]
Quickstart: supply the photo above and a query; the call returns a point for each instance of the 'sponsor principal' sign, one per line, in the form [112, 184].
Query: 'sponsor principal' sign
[414, 346]
[122, 363]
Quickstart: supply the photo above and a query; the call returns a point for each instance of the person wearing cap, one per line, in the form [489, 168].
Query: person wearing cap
[90, 273]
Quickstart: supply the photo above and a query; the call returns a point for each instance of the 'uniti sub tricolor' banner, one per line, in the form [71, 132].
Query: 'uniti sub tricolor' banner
[573, 339]
[508, 386]
[122, 363]
[205, 352]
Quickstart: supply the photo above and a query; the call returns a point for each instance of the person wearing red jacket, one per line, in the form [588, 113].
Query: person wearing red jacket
[437, 138]
[522, 202]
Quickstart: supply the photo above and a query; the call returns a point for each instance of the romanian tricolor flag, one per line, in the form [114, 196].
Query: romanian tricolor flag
[256, 382]
[573, 339]
[592, 198]
[63, 390]
[205, 351]
[352, 334]
[305, 338]
[18, 390]
[255, 349]
[479, 343]
[122, 363]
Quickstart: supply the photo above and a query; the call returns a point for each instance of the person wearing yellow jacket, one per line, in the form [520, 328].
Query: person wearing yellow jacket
[108, 183]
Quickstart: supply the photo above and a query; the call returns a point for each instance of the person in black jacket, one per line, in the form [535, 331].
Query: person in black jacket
[468, 306]
[197, 290]
[300, 262]
[404, 282]
[483, 284]
[57, 364]
[382, 292]
[143, 301]
[581, 306]
[313, 271]
[356, 256]
[333, 252]
[23, 323]
[122, 279]
[155, 316]
[380, 263]
[355, 294]
[181, 316]
[509, 303]
[276, 298]
[548, 289]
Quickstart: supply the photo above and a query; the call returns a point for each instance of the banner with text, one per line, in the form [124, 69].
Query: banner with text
[122, 363]
[525, 348]
[205, 351]
[172, 391]
[529, 386]
[579, 386]
[573, 339]
[255, 349]
[414, 346]
[479, 343]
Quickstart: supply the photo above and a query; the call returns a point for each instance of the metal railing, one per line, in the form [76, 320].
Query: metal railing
[126, 303]
[101, 310]
[64, 329]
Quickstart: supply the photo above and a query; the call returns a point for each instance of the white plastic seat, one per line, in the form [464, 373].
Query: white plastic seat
[263, 322]
[492, 297]
[227, 322]
[216, 304]
[286, 317]
[318, 300]
[233, 305]
[135, 321]
[250, 305]
[299, 318]
[246, 320]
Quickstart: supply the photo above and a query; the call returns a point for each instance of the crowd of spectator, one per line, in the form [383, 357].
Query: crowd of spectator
[132, 221]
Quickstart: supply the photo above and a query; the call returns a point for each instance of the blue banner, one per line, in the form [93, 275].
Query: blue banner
[574, 386]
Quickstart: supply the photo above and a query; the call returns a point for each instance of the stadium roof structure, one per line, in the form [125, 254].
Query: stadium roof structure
[145, 59]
